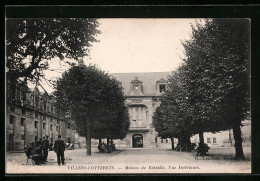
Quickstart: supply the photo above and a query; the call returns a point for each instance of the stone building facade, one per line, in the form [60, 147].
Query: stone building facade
[226, 138]
[143, 92]
[31, 115]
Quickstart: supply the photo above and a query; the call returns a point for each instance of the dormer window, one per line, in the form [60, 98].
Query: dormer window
[162, 88]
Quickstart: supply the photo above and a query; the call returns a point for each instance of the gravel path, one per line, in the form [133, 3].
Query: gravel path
[134, 161]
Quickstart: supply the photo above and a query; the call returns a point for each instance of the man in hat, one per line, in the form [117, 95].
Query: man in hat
[45, 147]
[59, 148]
[39, 142]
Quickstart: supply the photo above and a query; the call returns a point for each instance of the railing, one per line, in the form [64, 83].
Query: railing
[138, 124]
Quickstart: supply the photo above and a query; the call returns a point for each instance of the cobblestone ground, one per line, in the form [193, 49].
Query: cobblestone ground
[135, 161]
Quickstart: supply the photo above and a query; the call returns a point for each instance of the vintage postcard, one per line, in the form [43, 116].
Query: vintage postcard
[149, 96]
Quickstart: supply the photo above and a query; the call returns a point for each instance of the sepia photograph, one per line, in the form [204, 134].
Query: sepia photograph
[127, 95]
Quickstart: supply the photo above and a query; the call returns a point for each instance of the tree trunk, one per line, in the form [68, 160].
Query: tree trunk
[238, 142]
[184, 143]
[187, 143]
[88, 143]
[88, 139]
[180, 144]
[201, 149]
[172, 140]
[201, 139]
[108, 146]
[112, 145]
[99, 141]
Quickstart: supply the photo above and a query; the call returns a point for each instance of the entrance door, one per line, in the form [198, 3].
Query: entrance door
[11, 142]
[137, 141]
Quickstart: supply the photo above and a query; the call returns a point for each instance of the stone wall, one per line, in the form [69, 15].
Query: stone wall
[146, 128]
[27, 132]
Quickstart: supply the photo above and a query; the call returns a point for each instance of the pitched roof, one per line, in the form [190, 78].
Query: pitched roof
[148, 78]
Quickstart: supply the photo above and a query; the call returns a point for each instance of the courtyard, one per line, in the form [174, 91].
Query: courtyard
[135, 160]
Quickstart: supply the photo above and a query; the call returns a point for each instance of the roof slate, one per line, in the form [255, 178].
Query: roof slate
[148, 78]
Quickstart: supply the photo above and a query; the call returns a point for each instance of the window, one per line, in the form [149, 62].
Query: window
[18, 92]
[23, 97]
[51, 120]
[139, 113]
[23, 112]
[22, 137]
[12, 108]
[162, 88]
[57, 128]
[11, 119]
[133, 113]
[35, 138]
[32, 98]
[44, 117]
[13, 93]
[47, 106]
[69, 125]
[68, 139]
[208, 140]
[36, 115]
[57, 121]
[51, 140]
[166, 140]
[37, 101]
[214, 140]
[51, 127]
[44, 105]
[161, 140]
[43, 125]
[22, 121]
[36, 124]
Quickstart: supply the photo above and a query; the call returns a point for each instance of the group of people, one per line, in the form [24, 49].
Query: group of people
[103, 147]
[38, 151]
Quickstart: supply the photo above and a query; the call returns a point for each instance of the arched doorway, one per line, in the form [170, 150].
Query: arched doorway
[137, 141]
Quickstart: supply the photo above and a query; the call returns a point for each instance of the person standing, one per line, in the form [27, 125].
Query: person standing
[45, 147]
[38, 147]
[39, 142]
[59, 148]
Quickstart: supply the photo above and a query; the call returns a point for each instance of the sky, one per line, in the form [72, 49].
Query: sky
[134, 45]
[139, 45]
